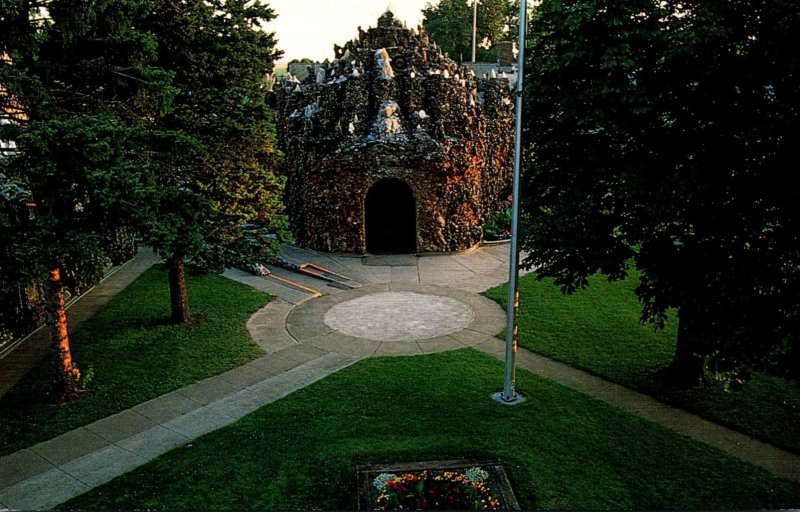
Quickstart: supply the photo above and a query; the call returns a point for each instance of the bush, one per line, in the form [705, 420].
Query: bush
[498, 226]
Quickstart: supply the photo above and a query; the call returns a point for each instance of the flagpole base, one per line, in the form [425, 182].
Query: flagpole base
[515, 400]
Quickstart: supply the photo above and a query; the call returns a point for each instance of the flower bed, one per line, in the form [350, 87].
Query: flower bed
[439, 485]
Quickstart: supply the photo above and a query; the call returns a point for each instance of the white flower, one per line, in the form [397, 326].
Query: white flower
[476, 474]
[382, 479]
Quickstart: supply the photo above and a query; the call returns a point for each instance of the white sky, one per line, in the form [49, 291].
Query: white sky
[310, 28]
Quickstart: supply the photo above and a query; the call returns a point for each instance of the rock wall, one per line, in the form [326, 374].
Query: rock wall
[391, 105]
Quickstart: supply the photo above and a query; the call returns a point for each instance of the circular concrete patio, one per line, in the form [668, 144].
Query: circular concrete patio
[395, 319]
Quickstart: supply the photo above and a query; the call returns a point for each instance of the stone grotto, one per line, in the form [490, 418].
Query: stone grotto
[393, 147]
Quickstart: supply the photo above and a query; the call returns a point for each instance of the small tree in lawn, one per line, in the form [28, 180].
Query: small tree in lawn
[664, 133]
[215, 199]
[77, 73]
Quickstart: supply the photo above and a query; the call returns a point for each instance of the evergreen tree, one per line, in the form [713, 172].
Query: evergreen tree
[77, 77]
[214, 198]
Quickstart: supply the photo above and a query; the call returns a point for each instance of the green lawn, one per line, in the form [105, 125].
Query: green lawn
[598, 329]
[561, 449]
[135, 356]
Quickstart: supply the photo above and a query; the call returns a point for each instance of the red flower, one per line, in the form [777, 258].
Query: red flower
[434, 491]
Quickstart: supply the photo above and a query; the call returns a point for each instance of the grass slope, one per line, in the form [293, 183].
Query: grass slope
[598, 329]
[561, 449]
[135, 356]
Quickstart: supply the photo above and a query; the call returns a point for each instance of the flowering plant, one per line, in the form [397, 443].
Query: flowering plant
[447, 490]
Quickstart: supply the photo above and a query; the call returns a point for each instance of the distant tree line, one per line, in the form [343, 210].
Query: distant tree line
[449, 24]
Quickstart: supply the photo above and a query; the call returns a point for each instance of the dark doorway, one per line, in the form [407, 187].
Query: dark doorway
[391, 218]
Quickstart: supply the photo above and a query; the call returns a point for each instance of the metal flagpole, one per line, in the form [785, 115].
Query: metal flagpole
[509, 394]
[474, 27]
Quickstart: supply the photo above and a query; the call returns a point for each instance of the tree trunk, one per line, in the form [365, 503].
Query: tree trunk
[179, 298]
[65, 373]
[688, 365]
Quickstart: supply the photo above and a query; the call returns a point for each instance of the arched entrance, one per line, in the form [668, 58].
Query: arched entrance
[391, 218]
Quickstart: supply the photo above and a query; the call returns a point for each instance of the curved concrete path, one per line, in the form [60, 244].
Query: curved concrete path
[305, 340]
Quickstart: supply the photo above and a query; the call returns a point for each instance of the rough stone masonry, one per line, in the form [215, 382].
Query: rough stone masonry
[392, 106]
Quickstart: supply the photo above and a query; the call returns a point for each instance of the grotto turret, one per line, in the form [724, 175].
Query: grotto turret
[393, 147]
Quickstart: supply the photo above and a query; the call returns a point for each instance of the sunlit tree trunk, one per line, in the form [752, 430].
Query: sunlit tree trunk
[65, 373]
[179, 298]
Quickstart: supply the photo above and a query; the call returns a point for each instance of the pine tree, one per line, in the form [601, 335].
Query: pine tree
[214, 198]
[79, 74]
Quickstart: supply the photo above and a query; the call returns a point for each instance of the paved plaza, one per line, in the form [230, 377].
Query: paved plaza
[376, 306]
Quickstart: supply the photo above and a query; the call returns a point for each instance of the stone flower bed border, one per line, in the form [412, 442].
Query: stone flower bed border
[498, 481]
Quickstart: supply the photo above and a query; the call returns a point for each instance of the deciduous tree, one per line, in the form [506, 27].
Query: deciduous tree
[449, 24]
[665, 133]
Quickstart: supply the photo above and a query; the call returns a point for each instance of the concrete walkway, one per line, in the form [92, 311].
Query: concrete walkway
[421, 305]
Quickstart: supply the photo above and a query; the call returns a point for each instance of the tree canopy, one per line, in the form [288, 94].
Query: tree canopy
[150, 114]
[78, 79]
[664, 134]
[213, 197]
[449, 24]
